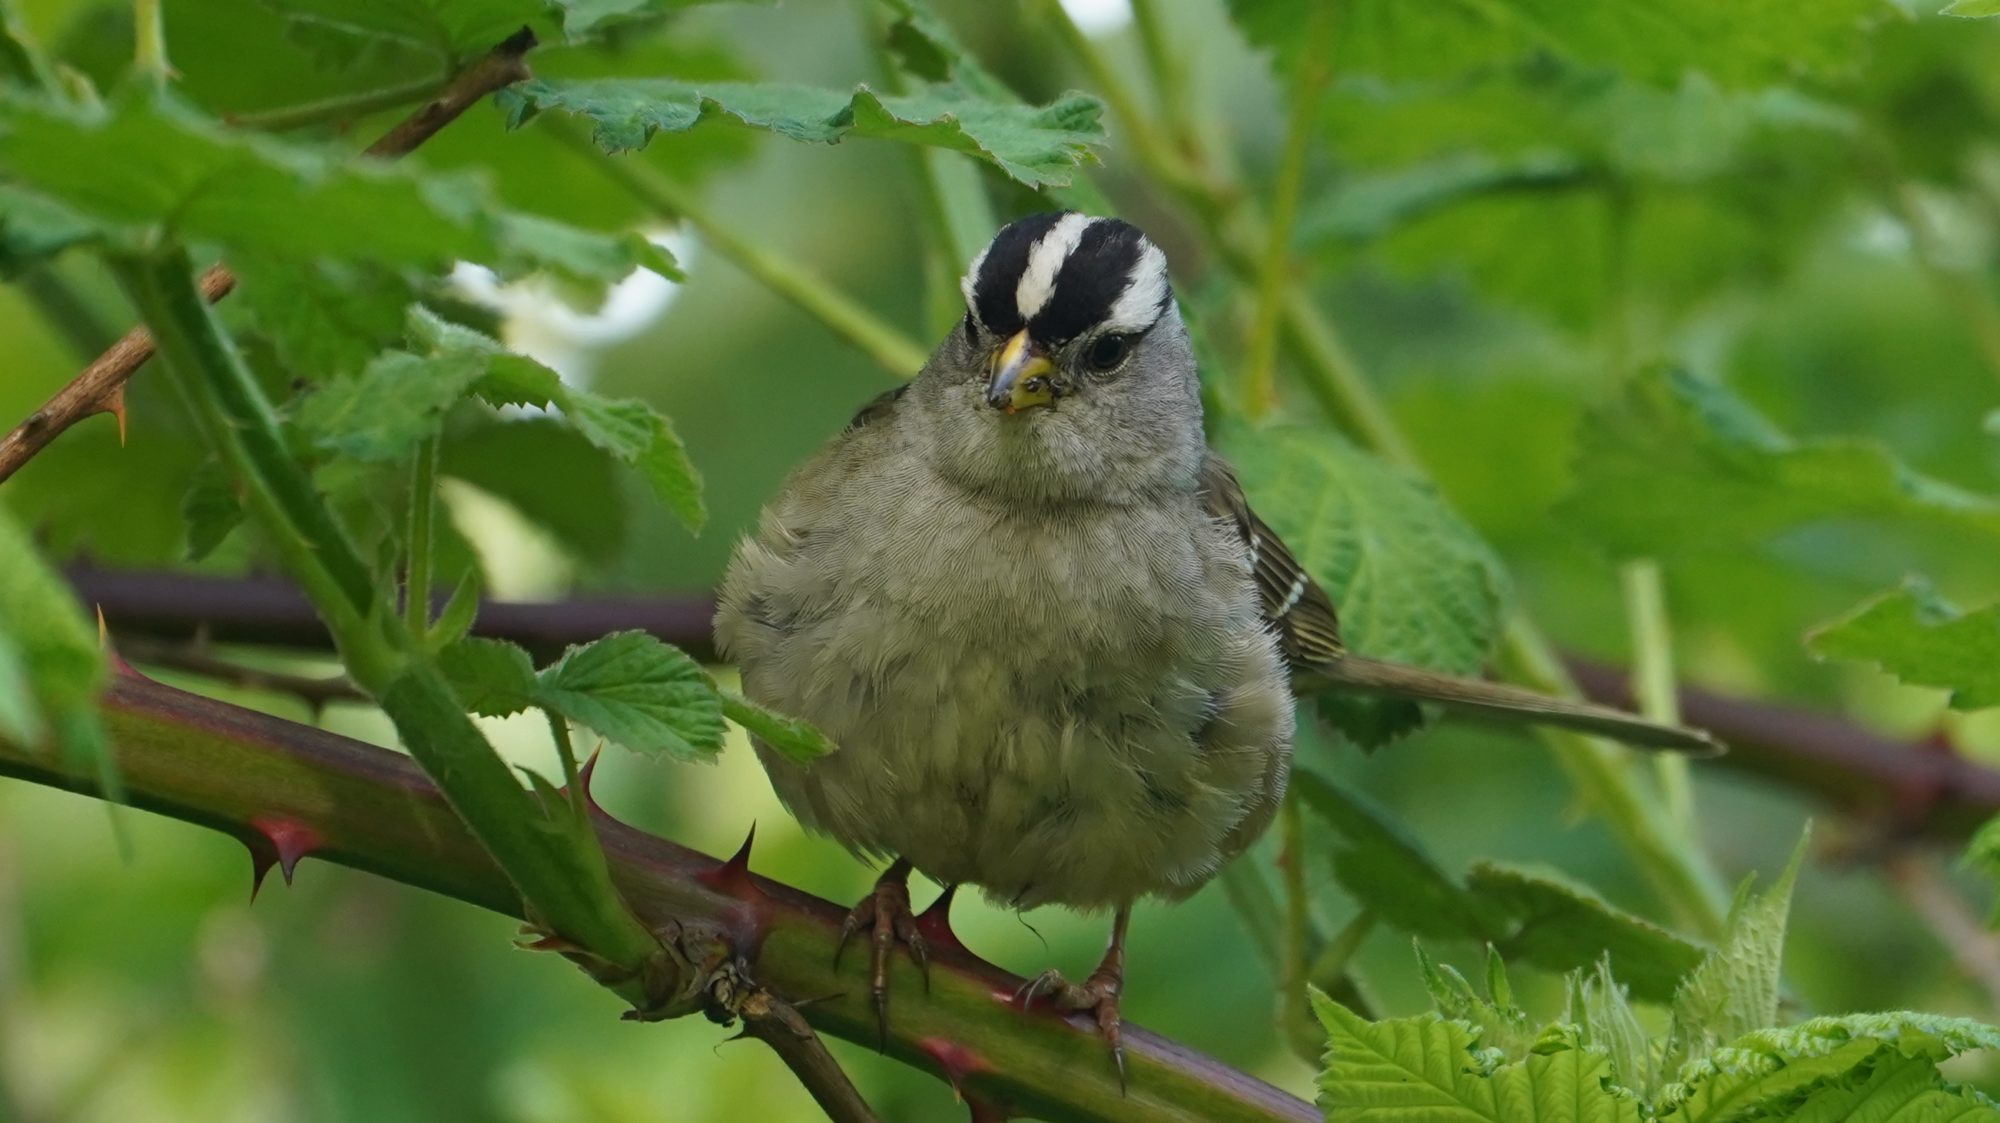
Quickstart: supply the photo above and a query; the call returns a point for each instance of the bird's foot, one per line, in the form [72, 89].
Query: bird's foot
[1097, 996]
[885, 915]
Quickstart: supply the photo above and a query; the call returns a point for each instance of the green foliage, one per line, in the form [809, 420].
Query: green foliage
[1037, 147]
[628, 686]
[1650, 39]
[1539, 918]
[1479, 1057]
[1410, 580]
[1678, 463]
[451, 29]
[795, 739]
[1918, 636]
[51, 665]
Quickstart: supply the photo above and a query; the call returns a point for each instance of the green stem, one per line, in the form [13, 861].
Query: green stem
[1295, 952]
[1260, 378]
[890, 348]
[1164, 65]
[561, 873]
[336, 110]
[423, 506]
[1329, 968]
[149, 38]
[1653, 680]
[565, 752]
[224, 767]
[1673, 865]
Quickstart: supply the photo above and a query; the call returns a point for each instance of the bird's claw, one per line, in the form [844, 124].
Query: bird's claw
[885, 913]
[1097, 995]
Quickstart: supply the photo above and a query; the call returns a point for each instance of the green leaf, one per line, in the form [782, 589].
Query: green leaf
[322, 317]
[1919, 637]
[1897, 1088]
[1386, 869]
[1734, 990]
[20, 718]
[584, 260]
[639, 692]
[212, 509]
[140, 164]
[34, 229]
[1657, 40]
[1559, 925]
[1773, 1068]
[1678, 463]
[489, 455]
[53, 650]
[1608, 1023]
[449, 28]
[399, 400]
[629, 430]
[493, 678]
[1972, 9]
[926, 48]
[796, 740]
[1036, 146]
[1499, 1023]
[460, 608]
[1412, 582]
[1427, 1068]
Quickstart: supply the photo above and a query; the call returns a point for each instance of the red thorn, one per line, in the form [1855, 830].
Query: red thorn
[956, 1062]
[732, 878]
[112, 659]
[551, 942]
[281, 842]
[935, 923]
[585, 775]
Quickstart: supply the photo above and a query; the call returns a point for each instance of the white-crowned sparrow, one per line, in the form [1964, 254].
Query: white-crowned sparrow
[1054, 644]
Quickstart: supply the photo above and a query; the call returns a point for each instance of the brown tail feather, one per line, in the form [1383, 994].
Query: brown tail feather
[1371, 676]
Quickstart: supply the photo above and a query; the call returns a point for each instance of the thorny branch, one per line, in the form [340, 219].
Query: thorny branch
[100, 386]
[296, 790]
[1912, 792]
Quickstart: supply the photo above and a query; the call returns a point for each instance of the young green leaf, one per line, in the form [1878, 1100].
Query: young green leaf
[796, 740]
[1558, 925]
[1411, 580]
[1036, 146]
[637, 691]
[1500, 1024]
[1608, 1023]
[1734, 990]
[1427, 1068]
[399, 400]
[1386, 869]
[323, 318]
[1919, 637]
[1972, 9]
[211, 508]
[1768, 1070]
[1679, 463]
[493, 678]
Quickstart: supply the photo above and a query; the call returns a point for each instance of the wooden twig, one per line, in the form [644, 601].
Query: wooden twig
[778, 1024]
[100, 387]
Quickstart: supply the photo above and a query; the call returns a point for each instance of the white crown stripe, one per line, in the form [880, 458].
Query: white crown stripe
[967, 283]
[1139, 305]
[1045, 260]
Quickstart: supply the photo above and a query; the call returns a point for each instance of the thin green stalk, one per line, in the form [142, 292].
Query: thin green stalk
[553, 859]
[1161, 159]
[1294, 961]
[565, 752]
[1653, 679]
[423, 507]
[891, 349]
[1678, 870]
[339, 109]
[1260, 362]
[149, 44]
[1164, 65]
[1329, 968]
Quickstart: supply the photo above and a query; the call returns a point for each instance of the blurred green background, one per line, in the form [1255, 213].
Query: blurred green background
[146, 986]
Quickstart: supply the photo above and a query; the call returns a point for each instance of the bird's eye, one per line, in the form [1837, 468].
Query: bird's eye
[1108, 351]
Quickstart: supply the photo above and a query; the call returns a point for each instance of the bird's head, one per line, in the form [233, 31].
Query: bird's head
[1070, 376]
